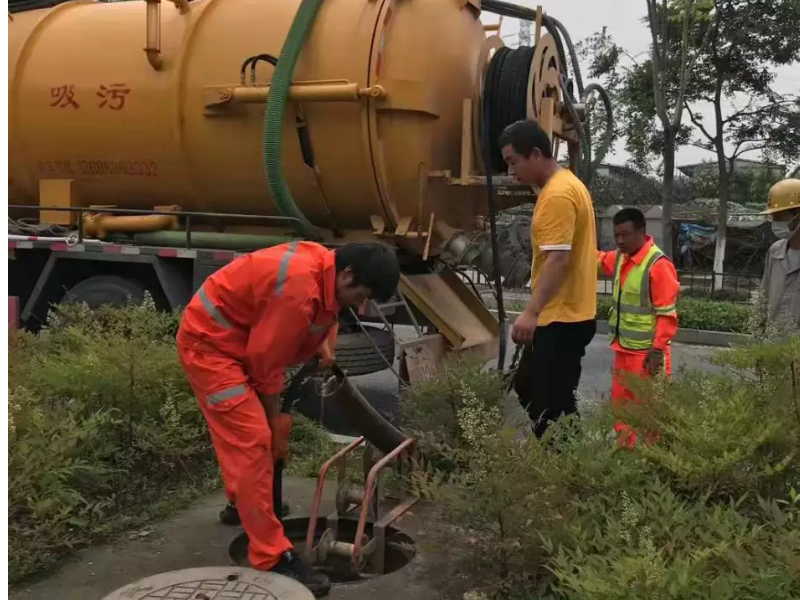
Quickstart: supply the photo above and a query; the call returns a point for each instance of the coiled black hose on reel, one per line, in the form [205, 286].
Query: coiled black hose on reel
[572, 94]
[505, 95]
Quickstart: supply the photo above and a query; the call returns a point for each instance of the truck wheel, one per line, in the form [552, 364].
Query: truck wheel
[356, 354]
[105, 289]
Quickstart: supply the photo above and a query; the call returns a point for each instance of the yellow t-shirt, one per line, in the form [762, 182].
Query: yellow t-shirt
[563, 219]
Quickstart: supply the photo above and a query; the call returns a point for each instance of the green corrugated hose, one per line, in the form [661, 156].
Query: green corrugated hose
[273, 116]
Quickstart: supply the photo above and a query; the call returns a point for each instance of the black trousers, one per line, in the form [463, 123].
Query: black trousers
[549, 370]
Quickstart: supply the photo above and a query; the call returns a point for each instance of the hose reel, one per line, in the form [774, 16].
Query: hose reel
[546, 76]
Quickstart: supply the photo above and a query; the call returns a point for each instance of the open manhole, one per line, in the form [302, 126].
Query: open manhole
[400, 548]
[214, 583]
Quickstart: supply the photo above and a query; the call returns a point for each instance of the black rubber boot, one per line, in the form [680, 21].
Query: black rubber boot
[291, 565]
[230, 516]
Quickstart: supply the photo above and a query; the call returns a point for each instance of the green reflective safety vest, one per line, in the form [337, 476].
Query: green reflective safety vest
[632, 319]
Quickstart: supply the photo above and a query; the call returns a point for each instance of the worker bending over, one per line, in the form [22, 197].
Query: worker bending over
[643, 318]
[250, 320]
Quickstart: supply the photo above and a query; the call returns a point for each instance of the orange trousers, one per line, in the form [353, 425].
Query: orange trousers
[627, 365]
[243, 444]
[630, 364]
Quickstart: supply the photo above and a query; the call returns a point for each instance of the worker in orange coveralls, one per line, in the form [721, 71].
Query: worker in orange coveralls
[643, 318]
[250, 320]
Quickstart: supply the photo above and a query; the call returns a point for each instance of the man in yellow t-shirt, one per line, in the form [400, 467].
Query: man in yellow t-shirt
[559, 319]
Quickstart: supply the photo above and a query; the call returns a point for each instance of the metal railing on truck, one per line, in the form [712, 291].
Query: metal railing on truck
[135, 211]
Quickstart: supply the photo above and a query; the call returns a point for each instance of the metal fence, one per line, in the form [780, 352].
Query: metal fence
[730, 286]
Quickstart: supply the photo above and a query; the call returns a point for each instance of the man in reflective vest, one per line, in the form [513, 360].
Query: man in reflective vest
[250, 320]
[643, 318]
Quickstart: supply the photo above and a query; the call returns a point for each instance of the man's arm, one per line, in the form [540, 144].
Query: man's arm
[552, 277]
[271, 404]
[606, 262]
[762, 303]
[553, 229]
[327, 350]
[664, 289]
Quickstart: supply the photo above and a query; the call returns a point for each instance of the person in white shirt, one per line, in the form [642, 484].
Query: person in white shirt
[780, 286]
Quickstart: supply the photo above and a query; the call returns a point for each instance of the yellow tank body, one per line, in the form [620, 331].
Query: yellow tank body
[86, 104]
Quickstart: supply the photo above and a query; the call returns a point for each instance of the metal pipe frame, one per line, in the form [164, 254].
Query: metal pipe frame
[369, 492]
[308, 551]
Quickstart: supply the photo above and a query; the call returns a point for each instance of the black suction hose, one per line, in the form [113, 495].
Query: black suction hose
[499, 110]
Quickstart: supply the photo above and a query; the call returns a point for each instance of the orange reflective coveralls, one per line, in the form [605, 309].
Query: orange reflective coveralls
[248, 321]
[664, 288]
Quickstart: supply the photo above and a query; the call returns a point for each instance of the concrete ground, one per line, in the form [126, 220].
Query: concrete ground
[195, 538]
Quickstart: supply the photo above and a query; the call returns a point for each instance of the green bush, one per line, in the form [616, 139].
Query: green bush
[708, 510]
[656, 544]
[310, 446]
[695, 313]
[725, 294]
[104, 432]
[699, 313]
[430, 410]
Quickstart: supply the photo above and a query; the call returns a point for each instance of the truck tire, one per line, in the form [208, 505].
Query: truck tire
[105, 289]
[356, 355]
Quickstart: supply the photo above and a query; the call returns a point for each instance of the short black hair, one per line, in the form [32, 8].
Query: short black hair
[524, 136]
[374, 265]
[632, 215]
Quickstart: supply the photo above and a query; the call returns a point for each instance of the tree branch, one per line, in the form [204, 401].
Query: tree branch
[684, 71]
[702, 146]
[750, 149]
[699, 124]
[743, 113]
[657, 62]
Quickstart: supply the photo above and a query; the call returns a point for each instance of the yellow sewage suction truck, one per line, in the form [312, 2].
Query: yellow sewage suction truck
[152, 141]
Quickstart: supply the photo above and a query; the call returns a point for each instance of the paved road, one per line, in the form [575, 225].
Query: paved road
[381, 388]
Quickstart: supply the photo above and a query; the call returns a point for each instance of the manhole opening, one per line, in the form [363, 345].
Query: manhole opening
[400, 548]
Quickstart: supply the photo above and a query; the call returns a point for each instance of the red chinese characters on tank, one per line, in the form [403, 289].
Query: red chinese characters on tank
[63, 97]
[113, 96]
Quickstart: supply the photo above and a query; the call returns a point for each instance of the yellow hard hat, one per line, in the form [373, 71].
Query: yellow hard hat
[784, 195]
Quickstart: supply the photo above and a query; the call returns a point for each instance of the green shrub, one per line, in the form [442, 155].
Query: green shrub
[695, 313]
[699, 313]
[104, 432]
[725, 295]
[429, 411]
[657, 545]
[710, 510]
[310, 446]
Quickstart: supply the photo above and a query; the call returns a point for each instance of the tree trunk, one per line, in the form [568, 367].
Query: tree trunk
[666, 191]
[722, 223]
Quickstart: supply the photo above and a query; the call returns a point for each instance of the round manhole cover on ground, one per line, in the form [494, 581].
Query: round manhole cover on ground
[214, 583]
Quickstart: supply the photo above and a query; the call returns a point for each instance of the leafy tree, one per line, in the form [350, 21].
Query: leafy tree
[650, 94]
[746, 186]
[734, 77]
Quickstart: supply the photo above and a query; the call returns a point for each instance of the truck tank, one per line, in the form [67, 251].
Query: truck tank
[379, 88]
[392, 108]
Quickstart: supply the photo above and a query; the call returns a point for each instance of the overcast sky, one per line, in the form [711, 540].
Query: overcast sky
[623, 18]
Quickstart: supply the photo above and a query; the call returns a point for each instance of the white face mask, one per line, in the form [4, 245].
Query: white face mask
[783, 230]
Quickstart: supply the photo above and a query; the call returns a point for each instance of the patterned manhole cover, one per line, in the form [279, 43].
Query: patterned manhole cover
[213, 583]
